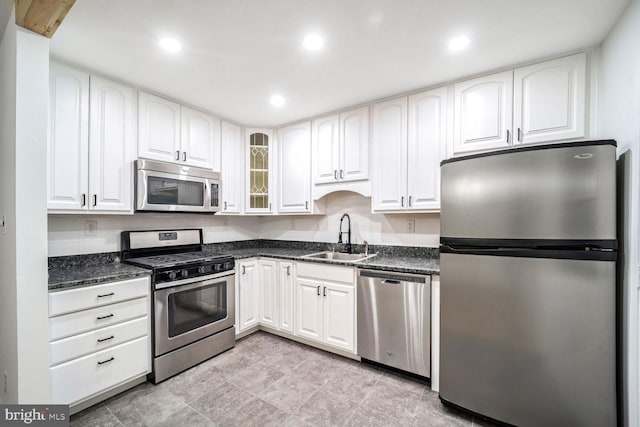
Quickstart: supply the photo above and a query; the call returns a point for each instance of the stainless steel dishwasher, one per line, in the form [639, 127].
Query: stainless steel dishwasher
[394, 320]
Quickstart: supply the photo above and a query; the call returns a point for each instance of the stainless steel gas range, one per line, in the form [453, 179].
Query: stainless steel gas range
[193, 297]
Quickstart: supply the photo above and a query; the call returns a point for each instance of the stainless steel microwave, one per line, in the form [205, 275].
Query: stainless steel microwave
[168, 187]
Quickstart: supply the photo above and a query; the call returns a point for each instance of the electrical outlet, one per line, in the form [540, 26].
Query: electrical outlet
[411, 226]
[90, 227]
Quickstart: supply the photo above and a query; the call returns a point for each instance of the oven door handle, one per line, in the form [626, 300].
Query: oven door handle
[197, 281]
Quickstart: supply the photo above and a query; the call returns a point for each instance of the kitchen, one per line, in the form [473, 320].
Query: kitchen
[611, 89]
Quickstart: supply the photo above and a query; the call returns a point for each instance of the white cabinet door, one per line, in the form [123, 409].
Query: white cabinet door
[112, 146]
[259, 170]
[549, 100]
[308, 309]
[248, 307]
[390, 155]
[294, 177]
[68, 142]
[159, 128]
[339, 315]
[325, 138]
[483, 113]
[286, 299]
[427, 139]
[354, 145]
[200, 139]
[268, 293]
[232, 168]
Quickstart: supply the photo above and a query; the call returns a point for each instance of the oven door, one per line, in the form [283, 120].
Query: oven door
[161, 191]
[186, 313]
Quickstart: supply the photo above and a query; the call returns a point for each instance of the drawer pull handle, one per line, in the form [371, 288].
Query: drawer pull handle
[106, 295]
[106, 339]
[105, 317]
[106, 361]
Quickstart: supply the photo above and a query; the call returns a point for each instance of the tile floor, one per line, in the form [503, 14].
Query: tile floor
[271, 381]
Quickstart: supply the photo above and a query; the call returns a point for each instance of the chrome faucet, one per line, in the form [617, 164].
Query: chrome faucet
[366, 248]
[340, 232]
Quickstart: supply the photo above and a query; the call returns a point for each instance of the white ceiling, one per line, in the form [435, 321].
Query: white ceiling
[236, 53]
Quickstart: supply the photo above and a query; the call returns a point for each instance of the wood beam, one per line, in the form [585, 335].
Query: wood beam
[42, 16]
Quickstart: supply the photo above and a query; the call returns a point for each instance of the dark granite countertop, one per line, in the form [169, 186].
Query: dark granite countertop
[83, 270]
[389, 258]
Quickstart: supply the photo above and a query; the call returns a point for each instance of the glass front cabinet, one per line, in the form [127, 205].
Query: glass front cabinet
[260, 179]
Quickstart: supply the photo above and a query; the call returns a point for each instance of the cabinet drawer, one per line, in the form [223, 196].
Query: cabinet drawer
[96, 318]
[89, 342]
[326, 272]
[95, 296]
[88, 375]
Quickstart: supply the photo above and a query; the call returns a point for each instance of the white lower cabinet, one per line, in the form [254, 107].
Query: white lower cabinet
[100, 338]
[325, 305]
[268, 293]
[275, 294]
[286, 288]
[247, 295]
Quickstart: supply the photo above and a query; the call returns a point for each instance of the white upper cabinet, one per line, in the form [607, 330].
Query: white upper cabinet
[341, 147]
[68, 138]
[175, 133]
[390, 155]
[539, 103]
[112, 145]
[427, 141]
[90, 150]
[326, 149]
[354, 145]
[483, 113]
[232, 168]
[159, 128]
[294, 177]
[200, 139]
[549, 100]
[409, 135]
[259, 170]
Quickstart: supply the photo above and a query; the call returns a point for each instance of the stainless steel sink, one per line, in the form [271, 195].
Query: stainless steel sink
[339, 256]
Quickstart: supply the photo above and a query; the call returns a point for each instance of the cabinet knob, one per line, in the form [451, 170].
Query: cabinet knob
[244, 269]
[341, 174]
[402, 201]
[318, 290]
[335, 174]
[410, 197]
[184, 156]
[519, 135]
[288, 270]
[508, 136]
[306, 205]
[177, 155]
[84, 199]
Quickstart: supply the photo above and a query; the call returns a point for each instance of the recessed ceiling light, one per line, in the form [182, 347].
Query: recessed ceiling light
[313, 41]
[459, 43]
[277, 100]
[171, 45]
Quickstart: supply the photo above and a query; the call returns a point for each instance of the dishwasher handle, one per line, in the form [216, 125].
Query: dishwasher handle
[390, 277]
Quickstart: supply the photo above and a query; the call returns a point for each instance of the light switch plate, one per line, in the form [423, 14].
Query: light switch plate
[90, 227]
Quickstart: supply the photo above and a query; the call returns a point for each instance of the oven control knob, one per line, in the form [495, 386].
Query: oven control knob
[172, 275]
[217, 267]
[201, 269]
[184, 273]
[228, 266]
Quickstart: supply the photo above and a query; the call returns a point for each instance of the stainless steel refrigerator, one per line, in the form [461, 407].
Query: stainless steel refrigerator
[528, 284]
